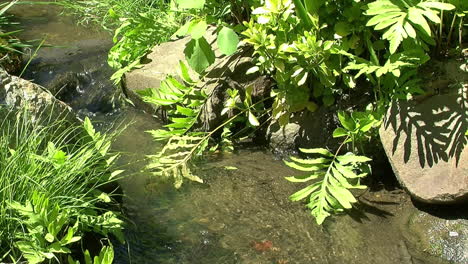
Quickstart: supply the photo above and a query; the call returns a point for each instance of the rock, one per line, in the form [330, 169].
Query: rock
[230, 73]
[442, 238]
[305, 130]
[17, 92]
[226, 72]
[426, 146]
[163, 60]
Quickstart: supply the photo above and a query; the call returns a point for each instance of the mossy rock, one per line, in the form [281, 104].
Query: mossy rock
[443, 238]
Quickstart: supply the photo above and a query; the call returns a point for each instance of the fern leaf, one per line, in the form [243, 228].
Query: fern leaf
[403, 19]
[335, 176]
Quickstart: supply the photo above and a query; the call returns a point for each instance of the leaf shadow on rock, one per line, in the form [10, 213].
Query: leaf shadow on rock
[438, 123]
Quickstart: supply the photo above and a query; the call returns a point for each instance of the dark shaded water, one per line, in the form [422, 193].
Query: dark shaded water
[236, 216]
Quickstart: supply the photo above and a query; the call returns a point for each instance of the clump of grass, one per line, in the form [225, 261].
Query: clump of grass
[139, 25]
[10, 46]
[107, 13]
[51, 176]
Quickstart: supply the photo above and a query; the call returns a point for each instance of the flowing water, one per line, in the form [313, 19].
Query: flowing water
[241, 214]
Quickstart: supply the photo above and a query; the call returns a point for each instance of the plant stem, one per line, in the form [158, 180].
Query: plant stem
[449, 36]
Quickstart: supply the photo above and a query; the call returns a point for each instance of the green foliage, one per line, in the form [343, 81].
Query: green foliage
[198, 52]
[292, 52]
[183, 102]
[335, 175]
[9, 44]
[185, 142]
[405, 19]
[136, 36]
[50, 177]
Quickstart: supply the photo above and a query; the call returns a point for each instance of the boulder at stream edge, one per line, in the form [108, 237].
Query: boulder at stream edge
[226, 72]
[425, 143]
[17, 92]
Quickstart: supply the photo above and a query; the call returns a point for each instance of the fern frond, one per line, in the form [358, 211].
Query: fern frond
[405, 19]
[335, 175]
[174, 160]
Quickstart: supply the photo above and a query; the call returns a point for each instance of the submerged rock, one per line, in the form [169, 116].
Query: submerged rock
[443, 238]
[425, 143]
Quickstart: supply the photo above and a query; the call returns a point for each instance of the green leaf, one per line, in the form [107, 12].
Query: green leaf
[199, 54]
[303, 167]
[437, 5]
[197, 29]
[253, 120]
[346, 121]
[227, 41]
[320, 151]
[304, 192]
[184, 73]
[190, 4]
[303, 178]
[49, 237]
[346, 159]
[340, 132]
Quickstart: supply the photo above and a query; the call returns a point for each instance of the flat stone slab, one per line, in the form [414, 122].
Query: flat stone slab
[425, 143]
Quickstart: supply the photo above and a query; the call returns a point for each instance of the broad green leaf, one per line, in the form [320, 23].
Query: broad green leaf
[344, 197]
[184, 73]
[190, 4]
[346, 121]
[197, 29]
[311, 161]
[340, 132]
[415, 15]
[348, 173]
[199, 54]
[227, 41]
[303, 168]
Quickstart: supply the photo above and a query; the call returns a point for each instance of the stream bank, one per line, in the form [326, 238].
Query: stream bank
[241, 215]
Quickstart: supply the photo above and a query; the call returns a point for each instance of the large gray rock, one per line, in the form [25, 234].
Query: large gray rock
[163, 60]
[425, 143]
[305, 130]
[227, 72]
[17, 92]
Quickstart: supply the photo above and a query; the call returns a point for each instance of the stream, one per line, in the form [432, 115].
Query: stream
[240, 215]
